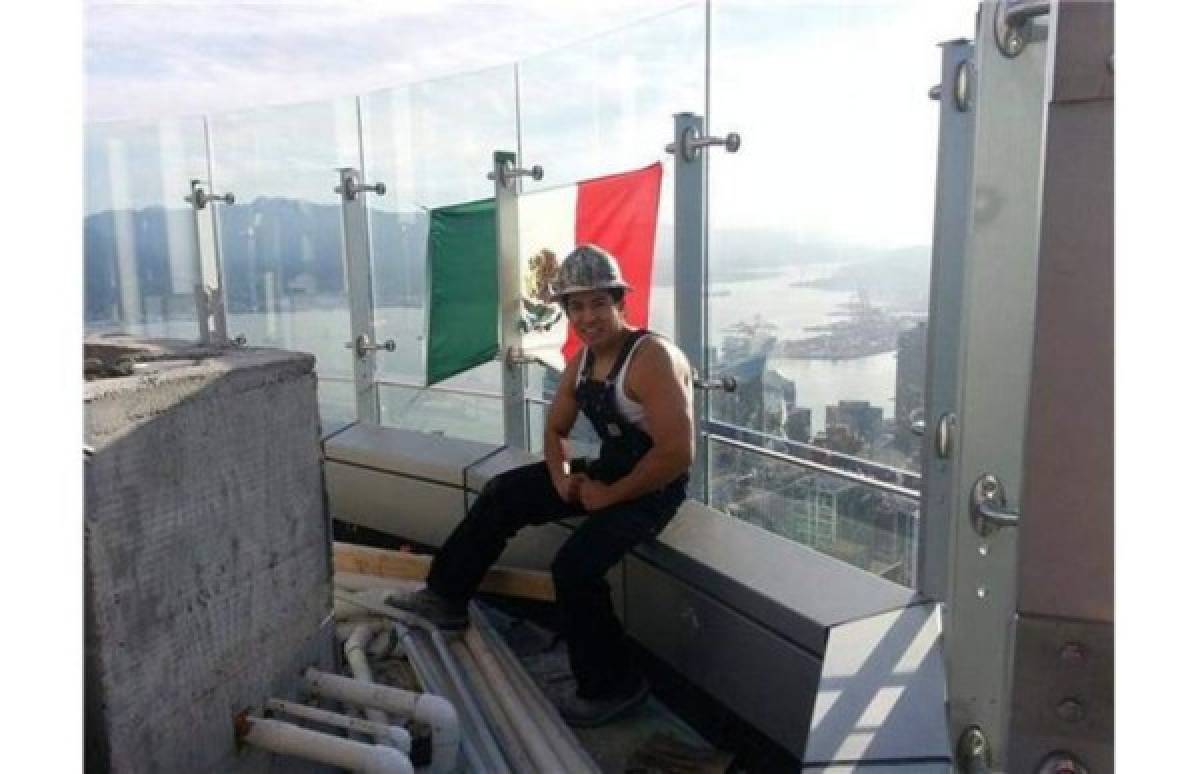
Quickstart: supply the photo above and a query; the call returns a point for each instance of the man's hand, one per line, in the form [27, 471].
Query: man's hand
[569, 486]
[596, 495]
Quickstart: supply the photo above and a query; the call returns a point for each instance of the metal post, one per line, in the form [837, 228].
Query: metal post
[356, 245]
[955, 134]
[516, 430]
[210, 306]
[691, 278]
[1000, 284]
[213, 266]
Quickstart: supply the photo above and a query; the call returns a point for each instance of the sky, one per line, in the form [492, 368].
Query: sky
[154, 59]
[830, 99]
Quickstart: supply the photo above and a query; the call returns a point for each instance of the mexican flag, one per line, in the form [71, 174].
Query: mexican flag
[618, 212]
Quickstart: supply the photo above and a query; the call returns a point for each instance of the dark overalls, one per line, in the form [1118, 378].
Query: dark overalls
[526, 495]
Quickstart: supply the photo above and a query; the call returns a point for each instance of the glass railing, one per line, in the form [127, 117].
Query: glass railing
[855, 521]
[431, 144]
[140, 261]
[453, 412]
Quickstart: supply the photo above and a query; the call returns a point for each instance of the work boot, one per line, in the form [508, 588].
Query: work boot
[579, 712]
[433, 607]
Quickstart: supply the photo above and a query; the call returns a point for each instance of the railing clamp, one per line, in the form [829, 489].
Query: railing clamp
[692, 143]
[199, 199]
[1013, 24]
[511, 172]
[350, 188]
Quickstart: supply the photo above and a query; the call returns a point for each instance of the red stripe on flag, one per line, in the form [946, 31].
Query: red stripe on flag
[620, 214]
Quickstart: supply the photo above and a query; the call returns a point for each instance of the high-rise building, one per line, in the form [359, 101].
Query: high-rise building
[910, 378]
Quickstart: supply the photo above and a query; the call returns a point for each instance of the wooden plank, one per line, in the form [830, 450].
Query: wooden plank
[404, 565]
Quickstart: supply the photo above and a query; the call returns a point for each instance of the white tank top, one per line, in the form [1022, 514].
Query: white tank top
[633, 411]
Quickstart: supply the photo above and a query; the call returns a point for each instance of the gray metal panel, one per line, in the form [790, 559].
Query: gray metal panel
[788, 587]
[1062, 692]
[766, 680]
[505, 459]
[996, 353]
[1066, 542]
[882, 695]
[414, 454]
[956, 133]
[406, 507]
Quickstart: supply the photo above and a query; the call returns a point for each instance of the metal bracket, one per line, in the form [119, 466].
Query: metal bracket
[1013, 24]
[362, 345]
[511, 172]
[199, 199]
[943, 439]
[693, 143]
[988, 512]
[962, 87]
[350, 188]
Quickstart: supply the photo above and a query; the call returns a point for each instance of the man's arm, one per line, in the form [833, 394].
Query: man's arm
[660, 379]
[559, 421]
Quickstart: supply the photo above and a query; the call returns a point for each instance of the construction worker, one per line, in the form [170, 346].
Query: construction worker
[635, 388]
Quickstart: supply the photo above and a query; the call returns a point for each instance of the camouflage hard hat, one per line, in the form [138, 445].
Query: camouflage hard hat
[586, 268]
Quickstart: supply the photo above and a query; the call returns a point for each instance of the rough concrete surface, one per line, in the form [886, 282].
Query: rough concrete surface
[207, 557]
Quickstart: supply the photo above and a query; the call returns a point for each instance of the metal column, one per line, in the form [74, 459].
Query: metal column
[691, 278]
[956, 132]
[512, 387]
[356, 246]
[1000, 284]
[208, 290]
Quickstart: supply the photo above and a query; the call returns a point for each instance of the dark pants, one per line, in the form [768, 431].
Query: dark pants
[524, 496]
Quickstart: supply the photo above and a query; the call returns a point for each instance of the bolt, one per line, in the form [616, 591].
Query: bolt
[1070, 710]
[1073, 653]
[981, 592]
[983, 549]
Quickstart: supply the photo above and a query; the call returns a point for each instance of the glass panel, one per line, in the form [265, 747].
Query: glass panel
[473, 417]
[819, 280]
[281, 243]
[606, 105]
[335, 404]
[856, 523]
[431, 144]
[139, 241]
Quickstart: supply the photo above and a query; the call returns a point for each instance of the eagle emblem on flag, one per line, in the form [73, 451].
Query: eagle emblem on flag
[539, 312]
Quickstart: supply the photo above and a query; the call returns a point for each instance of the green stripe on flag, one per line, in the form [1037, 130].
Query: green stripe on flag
[463, 297]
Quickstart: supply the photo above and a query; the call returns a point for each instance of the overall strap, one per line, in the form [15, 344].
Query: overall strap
[626, 349]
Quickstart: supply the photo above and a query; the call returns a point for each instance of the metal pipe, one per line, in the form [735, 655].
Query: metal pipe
[432, 675]
[288, 739]
[477, 734]
[908, 478]
[397, 736]
[523, 719]
[832, 471]
[486, 691]
[561, 739]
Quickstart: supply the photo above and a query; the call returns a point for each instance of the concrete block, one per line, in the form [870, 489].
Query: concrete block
[208, 568]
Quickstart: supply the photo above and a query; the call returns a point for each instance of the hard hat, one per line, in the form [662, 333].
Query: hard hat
[586, 268]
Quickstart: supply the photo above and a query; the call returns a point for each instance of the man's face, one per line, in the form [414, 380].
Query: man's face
[594, 316]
